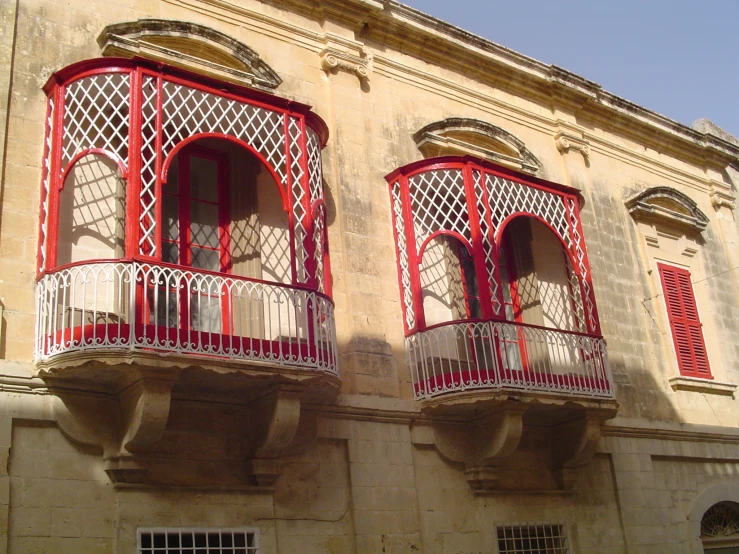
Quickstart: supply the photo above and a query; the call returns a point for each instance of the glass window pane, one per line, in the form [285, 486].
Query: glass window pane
[170, 252]
[173, 175]
[204, 224]
[205, 311]
[203, 179]
[171, 218]
[206, 259]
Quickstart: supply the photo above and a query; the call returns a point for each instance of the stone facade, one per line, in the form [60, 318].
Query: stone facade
[366, 468]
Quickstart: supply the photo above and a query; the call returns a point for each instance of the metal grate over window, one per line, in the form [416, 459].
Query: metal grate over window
[537, 538]
[197, 541]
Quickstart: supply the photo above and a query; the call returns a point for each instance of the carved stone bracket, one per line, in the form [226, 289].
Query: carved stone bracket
[567, 141]
[722, 199]
[336, 60]
[278, 427]
[574, 444]
[483, 445]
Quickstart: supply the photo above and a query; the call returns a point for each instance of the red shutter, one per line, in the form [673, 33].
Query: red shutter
[684, 322]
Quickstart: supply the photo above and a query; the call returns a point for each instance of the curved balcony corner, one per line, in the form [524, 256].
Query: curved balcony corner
[475, 359]
[96, 315]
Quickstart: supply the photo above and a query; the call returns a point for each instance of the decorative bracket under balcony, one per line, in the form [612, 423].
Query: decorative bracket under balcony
[128, 416]
[485, 436]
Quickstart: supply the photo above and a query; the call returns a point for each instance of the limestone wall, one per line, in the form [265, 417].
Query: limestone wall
[367, 486]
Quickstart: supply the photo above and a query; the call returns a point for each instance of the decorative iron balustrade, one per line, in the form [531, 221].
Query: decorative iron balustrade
[499, 355]
[151, 306]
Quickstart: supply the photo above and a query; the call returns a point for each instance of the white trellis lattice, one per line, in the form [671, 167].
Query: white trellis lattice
[147, 195]
[188, 111]
[438, 203]
[487, 246]
[314, 166]
[403, 263]
[96, 115]
[45, 169]
[298, 198]
[509, 197]
[580, 257]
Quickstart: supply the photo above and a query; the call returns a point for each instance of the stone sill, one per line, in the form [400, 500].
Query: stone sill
[706, 386]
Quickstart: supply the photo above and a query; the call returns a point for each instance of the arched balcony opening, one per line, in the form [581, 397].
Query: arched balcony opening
[182, 214]
[495, 282]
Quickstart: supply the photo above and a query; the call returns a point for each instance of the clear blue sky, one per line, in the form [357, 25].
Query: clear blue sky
[679, 58]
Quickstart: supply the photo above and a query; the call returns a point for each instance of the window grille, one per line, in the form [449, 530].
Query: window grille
[721, 520]
[197, 541]
[538, 538]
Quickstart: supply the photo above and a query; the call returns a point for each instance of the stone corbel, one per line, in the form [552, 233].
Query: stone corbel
[336, 60]
[567, 141]
[144, 413]
[574, 444]
[481, 446]
[277, 428]
[721, 198]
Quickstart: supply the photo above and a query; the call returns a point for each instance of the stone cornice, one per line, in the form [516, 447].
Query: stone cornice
[413, 32]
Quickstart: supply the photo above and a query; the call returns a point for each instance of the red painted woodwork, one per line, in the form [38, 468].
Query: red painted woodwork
[682, 312]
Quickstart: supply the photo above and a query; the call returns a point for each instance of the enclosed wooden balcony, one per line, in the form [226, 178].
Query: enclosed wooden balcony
[183, 263]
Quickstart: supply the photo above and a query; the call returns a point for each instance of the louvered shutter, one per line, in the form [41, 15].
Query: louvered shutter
[685, 324]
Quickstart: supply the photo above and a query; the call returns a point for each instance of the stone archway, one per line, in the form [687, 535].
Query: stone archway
[709, 517]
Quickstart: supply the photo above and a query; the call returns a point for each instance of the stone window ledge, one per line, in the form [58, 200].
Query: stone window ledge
[702, 385]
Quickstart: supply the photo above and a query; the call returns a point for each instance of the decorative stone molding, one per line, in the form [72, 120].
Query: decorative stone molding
[190, 46]
[566, 142]
[722, 199]
[478, 137]
[705, 386]
[669, 206]
[336, 60]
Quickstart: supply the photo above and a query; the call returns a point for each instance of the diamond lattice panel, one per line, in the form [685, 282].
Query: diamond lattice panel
[147, 197]
[319, 228]
[188, 111]
[45, 186]
[438, 203]
[507, 197]
[298, 197]
[405, 275]
[96, 115]
[314, 166]
[582, 266]
[486, 241]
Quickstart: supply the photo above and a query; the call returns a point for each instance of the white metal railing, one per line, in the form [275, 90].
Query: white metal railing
[499, 355]
[140, 305]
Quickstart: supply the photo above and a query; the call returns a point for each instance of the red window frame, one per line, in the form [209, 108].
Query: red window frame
[185, 244]
[685, 324]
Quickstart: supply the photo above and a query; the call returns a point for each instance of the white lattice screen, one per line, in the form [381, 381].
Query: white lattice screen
[438, 203]
[45, 172]
[96, 115]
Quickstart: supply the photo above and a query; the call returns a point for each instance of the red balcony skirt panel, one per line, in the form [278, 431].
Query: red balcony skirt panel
[162, 339]
[476, 378]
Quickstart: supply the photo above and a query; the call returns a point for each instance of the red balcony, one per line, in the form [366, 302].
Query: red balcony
[495, 281]
[182, 266]
[181, 214]
[156, 307]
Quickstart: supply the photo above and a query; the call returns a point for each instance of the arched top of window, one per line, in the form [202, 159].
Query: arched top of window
[461, 135]
[190, 46]
[721, 521]
[668, 205]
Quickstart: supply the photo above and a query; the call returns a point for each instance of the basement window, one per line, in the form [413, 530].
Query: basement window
[538, 538]
[190, 540]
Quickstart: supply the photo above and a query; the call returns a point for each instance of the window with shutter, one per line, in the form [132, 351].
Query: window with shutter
[685, 324]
